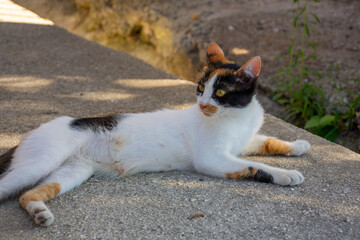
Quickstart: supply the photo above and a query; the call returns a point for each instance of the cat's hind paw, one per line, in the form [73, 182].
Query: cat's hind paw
[40, 213]
[288, 178]
[300, 147]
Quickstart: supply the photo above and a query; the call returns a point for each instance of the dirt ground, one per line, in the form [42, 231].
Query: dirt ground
[173, 35]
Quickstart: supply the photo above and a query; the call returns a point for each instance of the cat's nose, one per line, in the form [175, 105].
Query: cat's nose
[202, 106]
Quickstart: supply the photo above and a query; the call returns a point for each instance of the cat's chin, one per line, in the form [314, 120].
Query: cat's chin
[211, 114]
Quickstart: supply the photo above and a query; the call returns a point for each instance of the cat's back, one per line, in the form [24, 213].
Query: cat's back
[157, 123]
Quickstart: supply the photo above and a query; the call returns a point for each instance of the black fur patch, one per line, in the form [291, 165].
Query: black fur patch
[239, 89]
[5, 160]
[232, 66]
[96, 124]
[262, 176]
[237, 93]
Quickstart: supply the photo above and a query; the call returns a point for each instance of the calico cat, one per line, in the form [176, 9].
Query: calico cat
[208, 137]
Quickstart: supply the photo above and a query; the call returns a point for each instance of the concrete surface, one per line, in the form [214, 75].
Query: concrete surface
[46, 72]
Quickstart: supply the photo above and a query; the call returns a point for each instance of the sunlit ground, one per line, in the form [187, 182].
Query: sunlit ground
[239, 51]
[11, 12]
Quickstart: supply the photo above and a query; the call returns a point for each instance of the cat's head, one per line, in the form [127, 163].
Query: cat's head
[226, 86]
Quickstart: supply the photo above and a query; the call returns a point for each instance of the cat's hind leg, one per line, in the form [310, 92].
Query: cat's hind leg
[40, 152]
[264, 145]
[65, 178]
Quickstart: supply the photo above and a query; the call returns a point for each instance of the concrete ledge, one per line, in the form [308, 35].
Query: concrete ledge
[47, 72]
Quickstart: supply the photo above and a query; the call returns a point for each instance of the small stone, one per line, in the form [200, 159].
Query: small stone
[231, 28]
[195, 16]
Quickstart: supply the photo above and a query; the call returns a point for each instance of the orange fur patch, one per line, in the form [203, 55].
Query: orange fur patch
[243, 174]
[218, 58]
[215, 54]
[221, 72]
[210, 110]
[119, 168]
[118, 143]
[274, 146]
[41, 193]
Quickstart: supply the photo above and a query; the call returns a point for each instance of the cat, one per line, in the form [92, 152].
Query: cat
[209, 137]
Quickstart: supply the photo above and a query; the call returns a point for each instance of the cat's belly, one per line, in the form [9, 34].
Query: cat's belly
[138, 155]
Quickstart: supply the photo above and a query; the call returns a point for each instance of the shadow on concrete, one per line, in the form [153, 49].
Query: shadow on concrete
[46, 71]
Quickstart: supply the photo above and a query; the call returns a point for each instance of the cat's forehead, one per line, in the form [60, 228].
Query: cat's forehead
[222, 72]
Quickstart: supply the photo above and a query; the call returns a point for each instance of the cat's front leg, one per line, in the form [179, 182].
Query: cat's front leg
[264, 145]
[231, 167]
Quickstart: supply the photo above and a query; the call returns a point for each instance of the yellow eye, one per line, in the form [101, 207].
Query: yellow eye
[220, 92]
[201, 88]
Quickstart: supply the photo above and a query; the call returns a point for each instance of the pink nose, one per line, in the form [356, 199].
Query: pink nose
[202, 106]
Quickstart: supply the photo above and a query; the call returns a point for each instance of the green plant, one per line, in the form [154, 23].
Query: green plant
[305, 101]
[336, 120]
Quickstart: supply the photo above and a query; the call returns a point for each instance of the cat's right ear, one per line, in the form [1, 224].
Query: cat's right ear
[216, 55]
[249, 72]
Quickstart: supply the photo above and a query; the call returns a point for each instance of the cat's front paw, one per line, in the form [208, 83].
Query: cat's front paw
[300, 147]
[288, 177]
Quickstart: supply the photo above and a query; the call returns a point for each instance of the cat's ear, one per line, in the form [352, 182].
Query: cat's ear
[216, 55]
[249, 72]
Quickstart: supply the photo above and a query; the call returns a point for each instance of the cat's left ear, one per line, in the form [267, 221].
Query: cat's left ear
[249, 72]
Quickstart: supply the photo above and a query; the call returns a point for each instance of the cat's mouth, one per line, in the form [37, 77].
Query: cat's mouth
[208, 110]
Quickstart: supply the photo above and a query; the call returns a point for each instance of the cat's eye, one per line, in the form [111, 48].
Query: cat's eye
[201, 88]
[220, 92]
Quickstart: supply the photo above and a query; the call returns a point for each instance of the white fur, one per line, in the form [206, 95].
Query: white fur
[158, 141]
[40, 213]
[206, 98]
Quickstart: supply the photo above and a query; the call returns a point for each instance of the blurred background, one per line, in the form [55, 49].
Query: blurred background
[310, 49]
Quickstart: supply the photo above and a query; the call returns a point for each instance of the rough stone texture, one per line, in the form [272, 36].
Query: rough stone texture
[173, 35]
[47, 72]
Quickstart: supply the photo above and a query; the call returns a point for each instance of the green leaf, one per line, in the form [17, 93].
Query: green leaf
[282, 101]
[278, 57]
[313, 45]
[290, 48]
[319, 75]
[277, 96]
[291, 115]
[316, 17]
[327, 120]
[307, 30]
[313, 122]
[332, 135]
[355, 102]
[295, 21]
[302, 10]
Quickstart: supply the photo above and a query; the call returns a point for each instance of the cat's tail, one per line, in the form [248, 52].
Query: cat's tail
[39, 153]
